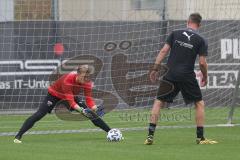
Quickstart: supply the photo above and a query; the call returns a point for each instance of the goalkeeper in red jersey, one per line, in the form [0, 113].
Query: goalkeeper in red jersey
[67, 88]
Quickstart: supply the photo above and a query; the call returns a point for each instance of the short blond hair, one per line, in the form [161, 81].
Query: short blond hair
[85, 68]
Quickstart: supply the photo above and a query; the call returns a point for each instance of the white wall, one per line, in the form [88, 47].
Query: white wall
[209, 9]
[112, 10]
[6, 10]
[122, 10]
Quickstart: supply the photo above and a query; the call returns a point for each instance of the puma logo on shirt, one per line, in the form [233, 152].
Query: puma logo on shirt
[189, 37]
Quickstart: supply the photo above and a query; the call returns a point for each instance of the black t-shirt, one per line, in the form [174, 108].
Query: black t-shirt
[185, 44]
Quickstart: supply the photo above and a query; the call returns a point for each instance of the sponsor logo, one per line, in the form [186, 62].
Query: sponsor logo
[188, 36]
[39, 66]
[183, 44]
[230, 48]
[49, 103]
[224, 79]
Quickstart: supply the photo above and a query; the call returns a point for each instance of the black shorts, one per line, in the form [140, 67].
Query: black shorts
[189, 88]
[48, 103]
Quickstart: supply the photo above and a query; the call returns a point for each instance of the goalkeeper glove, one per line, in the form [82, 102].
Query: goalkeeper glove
[100, 111]
[85, 111]
[78, 108]
[88, 113]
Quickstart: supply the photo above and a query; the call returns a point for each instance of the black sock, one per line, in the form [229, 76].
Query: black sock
[101, 124]
[151, 129]
[200, 132]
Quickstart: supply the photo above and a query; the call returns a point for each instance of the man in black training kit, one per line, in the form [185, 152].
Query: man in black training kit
[184, 46]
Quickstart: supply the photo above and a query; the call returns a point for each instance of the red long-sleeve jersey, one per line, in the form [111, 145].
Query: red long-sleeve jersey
[66, 88]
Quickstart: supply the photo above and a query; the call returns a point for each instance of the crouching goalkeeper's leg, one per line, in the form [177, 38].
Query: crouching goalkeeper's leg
[101, 124]
[96, 120]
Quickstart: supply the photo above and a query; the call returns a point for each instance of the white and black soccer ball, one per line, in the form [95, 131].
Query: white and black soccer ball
[114, 135]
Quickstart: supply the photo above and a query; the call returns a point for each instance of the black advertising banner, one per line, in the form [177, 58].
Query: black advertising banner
[120, 52]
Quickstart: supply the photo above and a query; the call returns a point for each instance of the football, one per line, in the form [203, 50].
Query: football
[114, 135]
